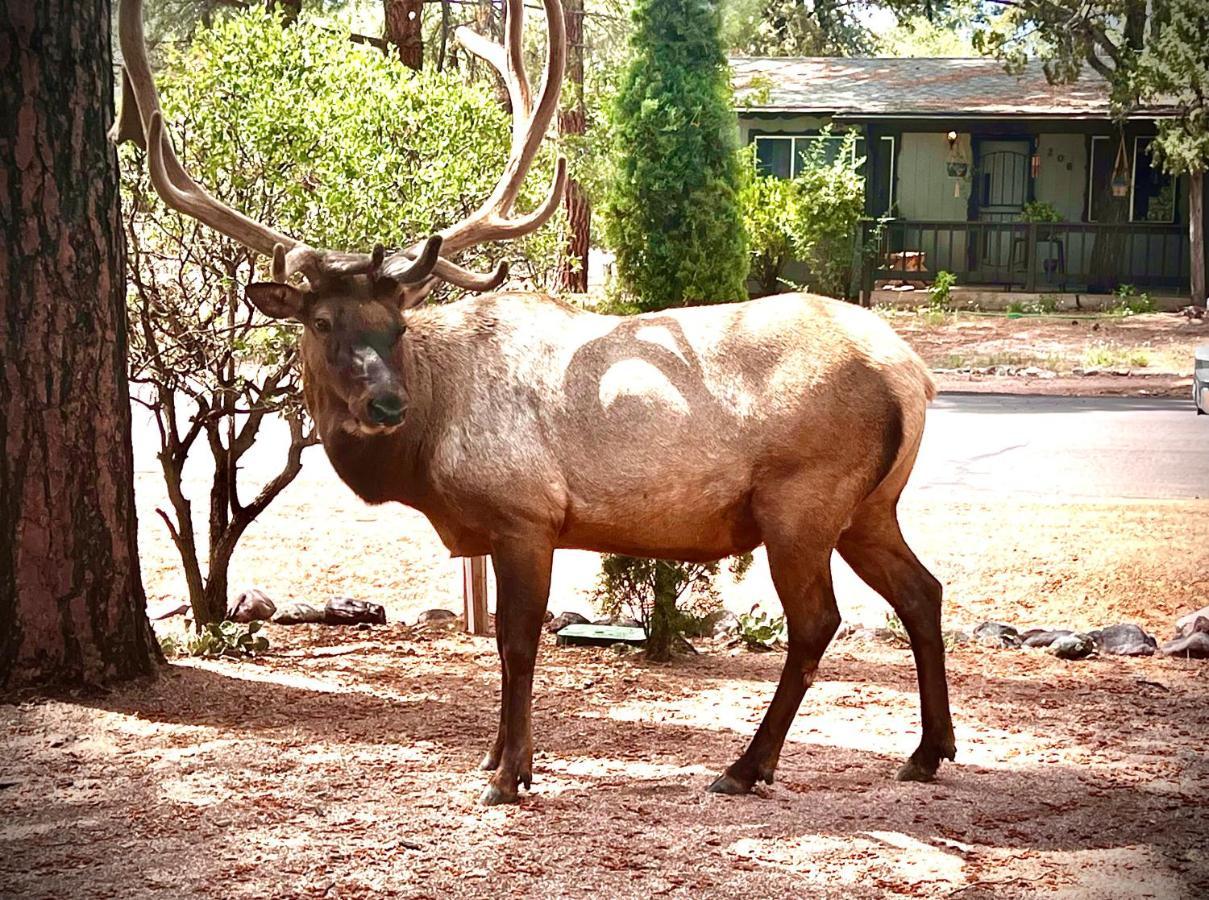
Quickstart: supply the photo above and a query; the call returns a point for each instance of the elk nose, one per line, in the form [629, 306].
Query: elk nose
[386, 410]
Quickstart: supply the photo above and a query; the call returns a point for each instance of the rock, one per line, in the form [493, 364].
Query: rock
[251, 606]
[438, 618]
[561, 621]
[1040, 638]
[1193, 646]
[875, 635]
[166, 609]
[604, 620]
[1072, 646]
[726, 626]
[956, 637]
[298, 613]
[996, 634]
[845, 631]
[1124, 640]
[627, 622]
[1193, 622]
[704, 626]
[547, 616]
[346, 611]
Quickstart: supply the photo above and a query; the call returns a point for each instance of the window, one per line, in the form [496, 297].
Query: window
[1153, 196]
[1152, 192]
[784, 156]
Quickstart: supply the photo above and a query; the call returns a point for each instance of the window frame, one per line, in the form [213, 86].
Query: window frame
[1133, 187]
[795, 137]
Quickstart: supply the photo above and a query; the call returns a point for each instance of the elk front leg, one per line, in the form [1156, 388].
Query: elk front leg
[522, 577]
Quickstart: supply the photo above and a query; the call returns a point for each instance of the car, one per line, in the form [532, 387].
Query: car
[1200, 380]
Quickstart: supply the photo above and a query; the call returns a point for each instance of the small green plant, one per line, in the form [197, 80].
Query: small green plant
[938, 293]
[897, 629]
[171, 645]
[1131, 303]
[1040, 211]
[229, 639]
[1039, 306]
[760, 630]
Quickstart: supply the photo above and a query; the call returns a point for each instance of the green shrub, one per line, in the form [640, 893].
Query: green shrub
[228, 639]
[671, 210]
[1129, 302]
[938, 292]
[760, 630]
[811, 218]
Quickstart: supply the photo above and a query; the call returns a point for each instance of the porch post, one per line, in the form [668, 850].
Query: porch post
[1030, 254]
[1196, 236]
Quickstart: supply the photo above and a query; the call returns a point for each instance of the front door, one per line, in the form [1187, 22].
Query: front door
[1000, 192]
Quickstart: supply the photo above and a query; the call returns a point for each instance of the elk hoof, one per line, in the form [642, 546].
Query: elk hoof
[917, 770]
[494, 795]
[729, 784]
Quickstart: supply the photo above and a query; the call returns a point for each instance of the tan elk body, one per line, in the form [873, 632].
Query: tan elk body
[519, 424]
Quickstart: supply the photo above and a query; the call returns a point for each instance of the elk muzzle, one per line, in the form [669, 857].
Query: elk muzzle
[381, 401]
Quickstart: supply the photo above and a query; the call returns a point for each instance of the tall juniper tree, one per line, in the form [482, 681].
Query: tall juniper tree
[672, 211]
[673, 218]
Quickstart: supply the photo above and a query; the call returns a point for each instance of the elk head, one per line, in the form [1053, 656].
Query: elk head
[351, 304]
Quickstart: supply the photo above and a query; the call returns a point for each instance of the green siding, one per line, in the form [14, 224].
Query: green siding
[1062, 174]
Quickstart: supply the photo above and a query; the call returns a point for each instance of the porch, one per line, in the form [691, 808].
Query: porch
[1059, 257]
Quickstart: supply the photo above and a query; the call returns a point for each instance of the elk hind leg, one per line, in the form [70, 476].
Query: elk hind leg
[874, 547]
[802, 577]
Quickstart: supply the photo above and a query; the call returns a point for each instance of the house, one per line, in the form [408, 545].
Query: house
[1005, 180]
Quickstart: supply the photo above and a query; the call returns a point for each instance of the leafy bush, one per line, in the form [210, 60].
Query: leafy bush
[661, 594]
[219, 639]
[760, 630]
[671, 211]
[811, 218]
[938, 292]
[832, 201]
[1129, 302]
[333, 142]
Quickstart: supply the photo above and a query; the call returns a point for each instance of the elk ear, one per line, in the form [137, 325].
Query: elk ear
[276, 300]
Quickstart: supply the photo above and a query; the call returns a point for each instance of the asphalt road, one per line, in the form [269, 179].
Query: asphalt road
[1059, 448]
[1064, 448]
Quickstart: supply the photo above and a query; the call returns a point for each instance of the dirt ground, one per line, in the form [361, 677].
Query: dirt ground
[343, 766]
[342, 763]
[1084, 355]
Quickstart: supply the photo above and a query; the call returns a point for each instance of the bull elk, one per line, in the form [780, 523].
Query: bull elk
[519, 424]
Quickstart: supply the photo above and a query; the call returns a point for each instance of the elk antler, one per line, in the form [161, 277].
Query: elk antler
[493, 220]
[141, 120]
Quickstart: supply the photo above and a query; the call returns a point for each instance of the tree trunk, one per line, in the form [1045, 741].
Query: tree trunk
[1196, 236]
[72, 608]
[572, 120]
[663, 624]
[404, 31]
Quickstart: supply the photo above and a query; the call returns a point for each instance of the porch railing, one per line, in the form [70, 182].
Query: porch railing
[1030, 256]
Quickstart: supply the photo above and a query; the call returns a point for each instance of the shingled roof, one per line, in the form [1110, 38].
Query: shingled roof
[862, 87]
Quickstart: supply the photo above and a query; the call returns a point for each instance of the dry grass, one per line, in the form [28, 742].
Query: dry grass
[1153, 343]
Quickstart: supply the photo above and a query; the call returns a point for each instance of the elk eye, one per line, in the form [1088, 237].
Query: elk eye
[323, 326]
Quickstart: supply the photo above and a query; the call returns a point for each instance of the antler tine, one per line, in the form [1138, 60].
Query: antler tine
[530, 123]
[171, 181]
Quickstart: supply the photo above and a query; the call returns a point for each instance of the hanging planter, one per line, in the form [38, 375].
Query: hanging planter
[957, 168]
[1120, 172]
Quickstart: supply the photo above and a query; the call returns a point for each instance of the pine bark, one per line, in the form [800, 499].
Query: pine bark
[404, 30]
[72, 607]
[572, 121]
